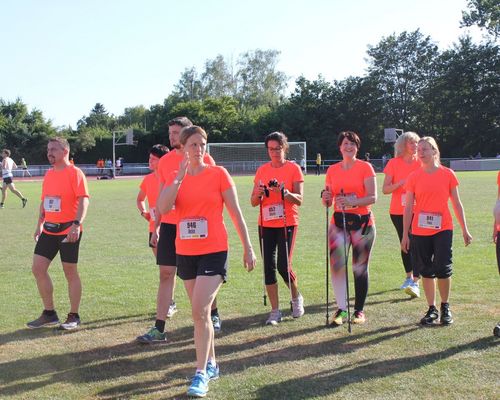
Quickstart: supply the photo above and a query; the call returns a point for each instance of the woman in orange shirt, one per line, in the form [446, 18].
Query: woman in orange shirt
[199, 192]
[396, 171]
[496, 223]
[278, 184]
[427, 192]
[351, 187]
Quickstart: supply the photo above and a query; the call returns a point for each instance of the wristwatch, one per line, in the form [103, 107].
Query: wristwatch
[76, 222]
[177, 181]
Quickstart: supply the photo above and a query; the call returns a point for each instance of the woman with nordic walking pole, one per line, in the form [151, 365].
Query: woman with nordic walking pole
[278, 190]
[396, 171]
[430, 187]
[199, 192]
[351, 187]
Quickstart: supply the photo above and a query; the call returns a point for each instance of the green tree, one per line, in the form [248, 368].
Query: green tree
[402, 67]
[259, 81]
[217, 80]
[464, 99]
[189, 86]
[485, 14]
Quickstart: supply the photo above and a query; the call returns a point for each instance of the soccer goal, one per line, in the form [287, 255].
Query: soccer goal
[245, 158]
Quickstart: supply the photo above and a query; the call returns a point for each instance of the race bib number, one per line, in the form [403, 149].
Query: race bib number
[193, 228]
[351, 197]
[152, 213]
[273, 211]
[429, 220]
[52, 204]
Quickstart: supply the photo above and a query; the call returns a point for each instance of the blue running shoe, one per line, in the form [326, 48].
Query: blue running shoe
[212, 371]
[199, 385]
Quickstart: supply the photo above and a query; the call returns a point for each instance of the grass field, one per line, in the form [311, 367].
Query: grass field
[391, 357]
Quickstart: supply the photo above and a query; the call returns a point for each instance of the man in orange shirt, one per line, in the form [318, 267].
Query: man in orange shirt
[65, 199]
[149, 190]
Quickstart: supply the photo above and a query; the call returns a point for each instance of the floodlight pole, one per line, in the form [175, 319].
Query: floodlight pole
[114, 155]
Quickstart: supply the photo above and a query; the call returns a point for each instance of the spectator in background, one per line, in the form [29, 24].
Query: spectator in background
[24, 167]
[318, 164]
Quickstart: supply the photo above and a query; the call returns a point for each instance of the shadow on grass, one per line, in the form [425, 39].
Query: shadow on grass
[327, 383]
[173, 362]
[33, 334]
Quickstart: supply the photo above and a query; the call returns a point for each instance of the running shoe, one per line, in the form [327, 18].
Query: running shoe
[298, 307]
[406, 283]
[72, 322]
[44, 320]
[430, 317]
[24, 202]
[446, 317]
[359, 317]
[212, 371]
[172, 309]
[216, 322]
[339, 318]
[274, 317]
[1, 205]
[153, 336]
[199, 385]
[413, 290]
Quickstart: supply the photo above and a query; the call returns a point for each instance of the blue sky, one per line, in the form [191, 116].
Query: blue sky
[62, 57]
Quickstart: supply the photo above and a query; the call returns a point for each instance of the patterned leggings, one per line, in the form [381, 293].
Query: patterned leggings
[361, 249]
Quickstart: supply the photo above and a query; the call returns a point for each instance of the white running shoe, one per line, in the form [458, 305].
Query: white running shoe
[172, 309]
[274, 317]
[298, 306]
[413, 290]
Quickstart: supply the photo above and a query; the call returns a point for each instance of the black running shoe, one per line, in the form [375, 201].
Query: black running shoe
[44, 320]
[430, 317]
[446, 317]
[24, 202]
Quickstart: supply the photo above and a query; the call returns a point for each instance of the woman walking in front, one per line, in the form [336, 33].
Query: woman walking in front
[199, 192]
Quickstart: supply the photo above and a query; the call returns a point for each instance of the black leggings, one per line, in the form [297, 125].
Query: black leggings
[397, 221]
[274, 239]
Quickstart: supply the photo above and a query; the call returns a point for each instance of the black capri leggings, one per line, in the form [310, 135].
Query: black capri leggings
[397, 221]
[274, 239]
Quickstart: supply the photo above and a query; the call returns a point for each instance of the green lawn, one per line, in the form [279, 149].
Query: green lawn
[390, 357]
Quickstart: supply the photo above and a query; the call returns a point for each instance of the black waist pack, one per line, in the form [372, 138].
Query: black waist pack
[54, 227]
[353, 222]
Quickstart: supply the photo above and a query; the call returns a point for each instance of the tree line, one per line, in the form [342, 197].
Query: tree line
[451, 94]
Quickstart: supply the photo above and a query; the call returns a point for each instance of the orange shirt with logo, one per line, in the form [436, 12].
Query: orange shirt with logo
[168, 163]
[432, 191]
[60, 192]
[150, 186]
[287, 174]
[352, 183]
[199, 209]
[399, 169]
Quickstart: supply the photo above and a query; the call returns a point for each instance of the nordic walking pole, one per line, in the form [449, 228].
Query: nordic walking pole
[261, 234]
[286, 244]
[346, 259]
[327, 261]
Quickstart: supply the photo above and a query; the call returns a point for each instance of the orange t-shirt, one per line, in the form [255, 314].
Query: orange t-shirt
[150, 186]
[168, 163]
[399, 169]
[199, 207]
[352, 183]
[272, 206]
[60, 193]
[432, 191]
